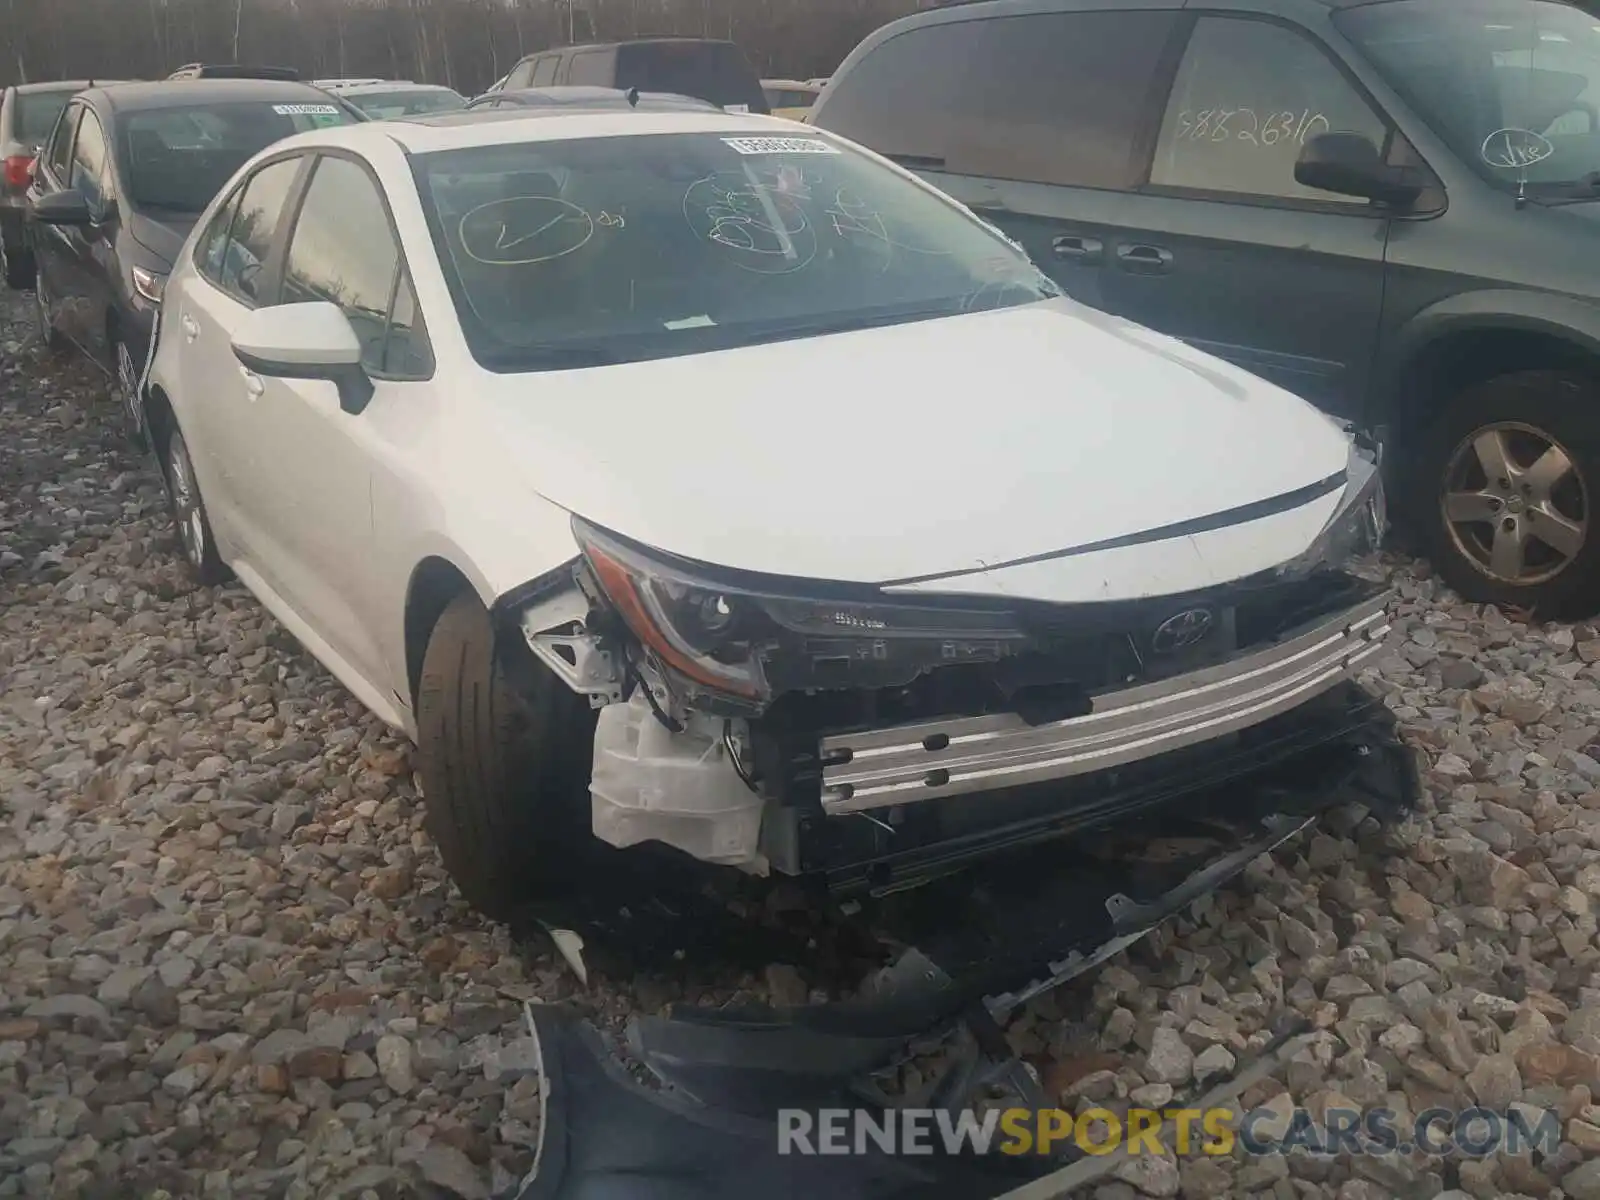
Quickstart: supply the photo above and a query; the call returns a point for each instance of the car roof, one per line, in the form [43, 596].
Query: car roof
[967, 9]
[55, 85]
[498, 127]
[185, 93]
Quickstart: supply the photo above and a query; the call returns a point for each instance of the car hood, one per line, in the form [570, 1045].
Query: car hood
[938, 446]
[163, 236]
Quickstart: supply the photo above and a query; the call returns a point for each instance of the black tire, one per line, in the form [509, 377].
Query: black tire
[17, 264]
[505, 771]
[49, 336]
[1561, 408]
[190, 520]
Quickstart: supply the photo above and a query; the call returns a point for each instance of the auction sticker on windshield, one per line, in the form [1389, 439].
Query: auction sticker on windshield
[305, 110]
[780, 145]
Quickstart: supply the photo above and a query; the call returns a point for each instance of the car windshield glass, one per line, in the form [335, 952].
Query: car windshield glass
[1513, 86]
[384, 106]
[597, 250]
[37, 113]
[177, 159]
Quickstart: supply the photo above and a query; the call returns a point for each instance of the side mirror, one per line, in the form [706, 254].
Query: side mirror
[1350, 165]
[305, 341]
[63, 208]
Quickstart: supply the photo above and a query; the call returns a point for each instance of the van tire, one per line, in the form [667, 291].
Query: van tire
[505, 772]
[1525, 409]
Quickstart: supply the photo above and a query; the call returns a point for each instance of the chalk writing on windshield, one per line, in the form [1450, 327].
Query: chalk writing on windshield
[1515, 149]
[1245, 124]
[764, 228]
[519, 231]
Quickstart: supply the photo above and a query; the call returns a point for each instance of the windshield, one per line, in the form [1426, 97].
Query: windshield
[597, 250]
[37, 113]
[177, 159]
[1513, 86]
[385, 106]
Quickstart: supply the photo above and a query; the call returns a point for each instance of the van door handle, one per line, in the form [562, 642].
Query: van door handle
[1144, 260]
[1087, 250]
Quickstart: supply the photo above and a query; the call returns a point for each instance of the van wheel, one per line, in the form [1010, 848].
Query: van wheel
[505, 772]
[1506, 485]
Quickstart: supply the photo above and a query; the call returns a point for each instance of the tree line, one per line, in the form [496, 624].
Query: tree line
[466, 44]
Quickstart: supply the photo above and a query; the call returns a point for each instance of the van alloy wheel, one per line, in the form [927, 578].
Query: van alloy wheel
[1516, 503]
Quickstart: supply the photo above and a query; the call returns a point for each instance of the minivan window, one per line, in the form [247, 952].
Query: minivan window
[1248, 96]
[544, 71]
[586, 251]
[1051, 98]
[1512, 86]
[37, 113]
[590, 68]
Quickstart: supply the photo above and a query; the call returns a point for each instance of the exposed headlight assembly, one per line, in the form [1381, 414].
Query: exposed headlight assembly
[1359, 524]
[149, 284]
[732, 641]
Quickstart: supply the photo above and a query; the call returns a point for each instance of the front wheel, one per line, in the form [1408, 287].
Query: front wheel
[505, 769]
[44, 326]
[1505, 489]
[127, 388]
[189, 514]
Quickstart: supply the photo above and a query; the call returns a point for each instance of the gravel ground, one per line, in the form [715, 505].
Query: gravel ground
[231, 964]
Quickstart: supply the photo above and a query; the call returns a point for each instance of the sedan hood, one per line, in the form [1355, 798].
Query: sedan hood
[162, 236]
[938, 446]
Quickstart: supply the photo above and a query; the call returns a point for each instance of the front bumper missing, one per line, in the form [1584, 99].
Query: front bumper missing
[935, 759]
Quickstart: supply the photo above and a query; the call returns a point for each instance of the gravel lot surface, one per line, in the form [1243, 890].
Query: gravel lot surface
[231, 964]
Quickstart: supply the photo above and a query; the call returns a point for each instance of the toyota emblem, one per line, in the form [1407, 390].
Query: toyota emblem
[1179, 632]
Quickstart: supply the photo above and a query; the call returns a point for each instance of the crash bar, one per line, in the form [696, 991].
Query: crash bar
[881, 767]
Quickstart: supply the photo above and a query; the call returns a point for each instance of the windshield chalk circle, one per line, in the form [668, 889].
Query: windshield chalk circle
[520, 231]
[1515, 149]
[765, 228]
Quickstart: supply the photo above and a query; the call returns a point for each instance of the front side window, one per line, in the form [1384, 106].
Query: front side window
[344, 251]
[1054, 98]
[593, 250]
[177, 159]
[1512, 86]
[544, 71]
[593, 67]
[59, 155]
[1248, 96]
[386, 106]
[212, 247]
[90, 175]
[37, 113]
[255, 227]
[519, 76]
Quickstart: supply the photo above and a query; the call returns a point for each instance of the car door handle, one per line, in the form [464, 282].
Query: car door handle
[1086, 250]
[1144, 260]
[253, 387]
[191, 328]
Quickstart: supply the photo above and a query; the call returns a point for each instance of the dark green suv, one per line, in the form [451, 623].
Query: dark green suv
[1391, 208]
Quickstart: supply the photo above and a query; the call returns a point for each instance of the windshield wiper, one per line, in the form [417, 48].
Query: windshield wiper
[848, 324]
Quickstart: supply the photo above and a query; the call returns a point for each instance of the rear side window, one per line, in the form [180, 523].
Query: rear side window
[37, 113]
[1248, 96]
[593, 67]
[714, 71]
[1055, 98]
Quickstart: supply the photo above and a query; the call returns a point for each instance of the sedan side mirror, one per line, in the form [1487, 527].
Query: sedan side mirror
[1350, 165]
[63, 208]
[305, 341]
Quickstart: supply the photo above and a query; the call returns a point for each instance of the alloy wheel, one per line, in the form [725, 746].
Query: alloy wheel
[186, 511]
[41, 311]
[1516, 504]
[128, 385]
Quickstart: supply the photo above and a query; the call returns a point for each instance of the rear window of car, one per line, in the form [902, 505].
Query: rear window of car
[788, 98]
[714, 71]
[37, 113]
[177, 159]
[385, 106]
[588, 251]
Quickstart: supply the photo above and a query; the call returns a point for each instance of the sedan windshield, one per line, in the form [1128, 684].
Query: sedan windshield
[385, 106]
[596, 250]
[177, 159]
[1513, 86]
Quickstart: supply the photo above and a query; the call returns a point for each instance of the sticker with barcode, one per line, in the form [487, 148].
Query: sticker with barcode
[780, 145]
[305, 110]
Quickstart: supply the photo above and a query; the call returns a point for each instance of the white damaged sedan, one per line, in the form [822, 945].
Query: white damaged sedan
[673, 479]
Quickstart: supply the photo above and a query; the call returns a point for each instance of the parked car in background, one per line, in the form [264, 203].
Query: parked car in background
[127, 170]
[331, 85]
[1389, 208]
[502, 435]
[789, 97]
[383, 100]
[705, 68]
[234, 71]
[589, 99]
[28, 113]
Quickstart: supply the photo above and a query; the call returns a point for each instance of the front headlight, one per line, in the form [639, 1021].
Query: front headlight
[149, 284]
[1359, 524]
[729, 639]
